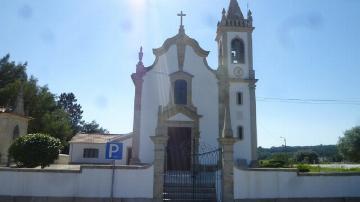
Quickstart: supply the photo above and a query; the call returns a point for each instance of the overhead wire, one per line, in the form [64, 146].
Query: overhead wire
[310, 101]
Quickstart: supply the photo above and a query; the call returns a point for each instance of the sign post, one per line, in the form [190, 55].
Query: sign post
[114, 151]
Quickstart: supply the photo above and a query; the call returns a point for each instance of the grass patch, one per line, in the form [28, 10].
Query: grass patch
[317, 169]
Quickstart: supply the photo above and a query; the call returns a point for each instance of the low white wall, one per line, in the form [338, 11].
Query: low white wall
[63, 159]
[89, 182]
[261, 184]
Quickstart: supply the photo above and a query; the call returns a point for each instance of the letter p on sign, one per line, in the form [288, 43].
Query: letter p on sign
[114, 150]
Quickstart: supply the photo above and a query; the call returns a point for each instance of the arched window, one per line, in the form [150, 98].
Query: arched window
[180, 92]
[16, 132]
[237, 51]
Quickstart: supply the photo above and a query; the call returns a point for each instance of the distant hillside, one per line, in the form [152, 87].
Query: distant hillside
[325, 152]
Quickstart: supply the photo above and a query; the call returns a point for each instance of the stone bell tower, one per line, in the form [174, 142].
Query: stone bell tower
[237, 81]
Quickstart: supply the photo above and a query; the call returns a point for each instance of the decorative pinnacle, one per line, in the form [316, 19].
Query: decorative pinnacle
[249, 16]
[141, 54]
[223, 11]
[234, 11]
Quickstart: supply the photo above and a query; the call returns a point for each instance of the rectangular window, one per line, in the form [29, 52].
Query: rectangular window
[239, 98]
[91, 153]
[180, 92]
[240, 132]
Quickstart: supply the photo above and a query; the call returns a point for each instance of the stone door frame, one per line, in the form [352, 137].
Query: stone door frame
[161, 137]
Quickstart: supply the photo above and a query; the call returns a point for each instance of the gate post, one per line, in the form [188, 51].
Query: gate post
[227, 144]
[159, 160]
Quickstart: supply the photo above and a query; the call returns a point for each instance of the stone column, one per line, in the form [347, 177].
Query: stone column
[252, 87]
[138, 82]
[160, 142]
[227, 145]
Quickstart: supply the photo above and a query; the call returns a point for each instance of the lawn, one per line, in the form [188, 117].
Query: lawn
[336, 170]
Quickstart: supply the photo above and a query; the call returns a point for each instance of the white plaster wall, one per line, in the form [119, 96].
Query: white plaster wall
[245, 66]
[129, 183]
[281, 184]
[77, 150]
[240, 116]
[204, 97]
[156, 91]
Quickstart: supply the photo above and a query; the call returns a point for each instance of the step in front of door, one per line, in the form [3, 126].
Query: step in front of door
[189, 193]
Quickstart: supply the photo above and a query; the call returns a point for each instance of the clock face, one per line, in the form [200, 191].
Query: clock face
[238, 72]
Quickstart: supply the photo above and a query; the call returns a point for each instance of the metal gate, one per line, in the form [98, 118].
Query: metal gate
[201, 181]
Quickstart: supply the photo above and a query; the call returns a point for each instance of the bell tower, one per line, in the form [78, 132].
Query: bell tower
[237, 78]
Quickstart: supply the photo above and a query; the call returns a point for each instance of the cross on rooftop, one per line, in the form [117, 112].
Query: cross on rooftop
[181, 15]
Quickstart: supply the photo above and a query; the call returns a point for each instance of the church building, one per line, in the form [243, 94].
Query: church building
[181, 98]
[13, 124]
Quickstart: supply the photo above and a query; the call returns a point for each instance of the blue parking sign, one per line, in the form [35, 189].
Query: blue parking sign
[114, 150]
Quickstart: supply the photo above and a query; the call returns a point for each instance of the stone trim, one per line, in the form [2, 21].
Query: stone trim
[250, 51]
[118, 167]
[161, 137]
[222, 30]
[253, 123]
[310, 199]
[70, 199]
[8, 115]
[230, 50]
[180, 38]
[227, 145]
[39, 170]
[294, 170]
[329, 174]
[171, 110]
[180, 75]
[181, 49]
[79, 170]
[160, 141]
[208, 67]
[240, 80]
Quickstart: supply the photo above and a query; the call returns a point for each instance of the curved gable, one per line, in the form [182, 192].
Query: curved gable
[181, 40]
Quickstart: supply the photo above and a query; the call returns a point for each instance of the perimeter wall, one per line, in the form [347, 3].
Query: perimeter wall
[90, 183]
[288, 185]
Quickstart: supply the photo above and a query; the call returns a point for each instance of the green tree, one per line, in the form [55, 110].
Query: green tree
[35, 150]
[11, 76]
[62, 118]
[349, 145]
[47, 117]
[68, 102]
[93, 127]
[40, 104]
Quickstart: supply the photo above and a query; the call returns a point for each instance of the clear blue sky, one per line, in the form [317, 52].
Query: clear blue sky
[302, 49]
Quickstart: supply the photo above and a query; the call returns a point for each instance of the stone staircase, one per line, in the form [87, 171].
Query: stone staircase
[175, 193]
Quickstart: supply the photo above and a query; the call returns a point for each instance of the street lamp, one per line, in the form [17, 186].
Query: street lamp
[284, 141]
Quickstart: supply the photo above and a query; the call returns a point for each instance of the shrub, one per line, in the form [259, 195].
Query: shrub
[35, 150]
[272, 164]
[277, 160]
[303, 168]
[307, 157]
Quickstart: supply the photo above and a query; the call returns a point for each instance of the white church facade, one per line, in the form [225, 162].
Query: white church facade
[180, 97]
